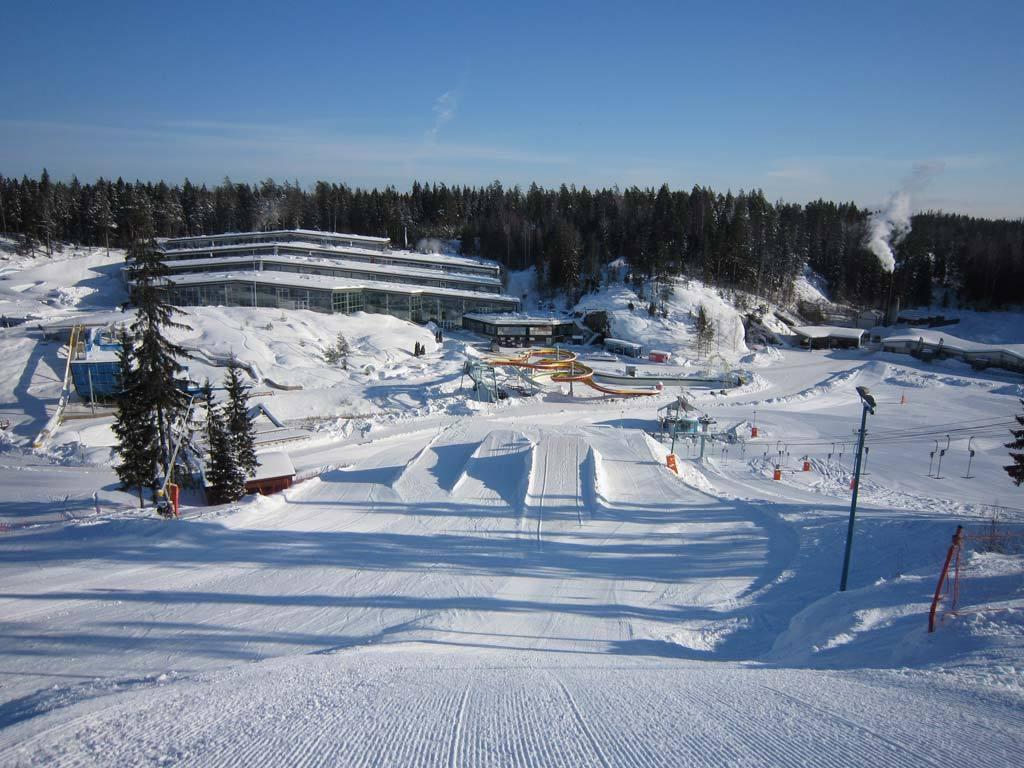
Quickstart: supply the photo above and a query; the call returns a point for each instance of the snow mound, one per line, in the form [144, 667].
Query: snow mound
[811, 287]
[675, 333]
[498, 471]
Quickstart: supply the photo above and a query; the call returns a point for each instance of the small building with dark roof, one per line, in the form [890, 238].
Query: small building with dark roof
[513, 329]
[829, 336]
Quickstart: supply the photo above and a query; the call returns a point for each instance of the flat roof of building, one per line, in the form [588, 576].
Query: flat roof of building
[328, 283]
[273, 464]
[363, 266]
[441, 259]
[933, 338]
[271, 233]
[515, 318]
[828, 331]
[623, 342]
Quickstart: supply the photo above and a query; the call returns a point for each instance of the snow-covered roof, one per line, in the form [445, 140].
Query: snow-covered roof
[328, 283]
[933, 338]
[439, 259]
[273, 464]
[278, 232]
[828, 331]
[910, 315]
[516, 318]
[362, 266]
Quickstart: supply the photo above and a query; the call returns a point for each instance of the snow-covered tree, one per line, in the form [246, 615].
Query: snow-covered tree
[239, 425]
[705, 329]
[156, 357]
[137, 443]
[225, 479]
[1016, 469]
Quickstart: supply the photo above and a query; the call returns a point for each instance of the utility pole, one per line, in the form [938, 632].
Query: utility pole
[869, 406]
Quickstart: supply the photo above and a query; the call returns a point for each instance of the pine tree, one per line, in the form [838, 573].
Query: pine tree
[1016, 470]
[239, 425]
[137, 443]
[225, 479]
[44, 208]
[163, 402]
[705, 329]
[338, 353]
[100, 215]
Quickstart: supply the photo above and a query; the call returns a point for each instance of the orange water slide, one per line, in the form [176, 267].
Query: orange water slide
[563, 366]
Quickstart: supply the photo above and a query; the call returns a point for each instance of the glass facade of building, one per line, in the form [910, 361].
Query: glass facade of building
[417, 307]
[392, 258]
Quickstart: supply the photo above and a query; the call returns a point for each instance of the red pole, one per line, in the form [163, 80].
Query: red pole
[954, 547]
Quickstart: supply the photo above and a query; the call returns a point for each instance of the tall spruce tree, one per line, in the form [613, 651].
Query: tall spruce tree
[224, 478]
[137, 443]
[705, 329]
[239, 425]
[162, 401]
[1016, 470]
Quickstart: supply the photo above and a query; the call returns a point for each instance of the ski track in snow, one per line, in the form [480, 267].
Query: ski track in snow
[416, 707]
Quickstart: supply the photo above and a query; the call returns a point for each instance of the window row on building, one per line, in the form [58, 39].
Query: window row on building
[320, 294]
[340, 268]
[329, 239]
[520, 330]
[207, 248]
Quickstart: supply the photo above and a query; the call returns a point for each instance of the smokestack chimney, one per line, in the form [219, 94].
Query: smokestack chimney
[894, 311]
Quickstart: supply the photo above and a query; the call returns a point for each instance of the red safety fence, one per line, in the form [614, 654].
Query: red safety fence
[952, 556]
[948, 585]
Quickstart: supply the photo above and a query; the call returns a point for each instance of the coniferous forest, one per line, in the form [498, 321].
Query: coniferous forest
[739, 241]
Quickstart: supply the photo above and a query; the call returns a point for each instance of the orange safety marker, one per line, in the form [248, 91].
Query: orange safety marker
[173, 494]
[670, 461]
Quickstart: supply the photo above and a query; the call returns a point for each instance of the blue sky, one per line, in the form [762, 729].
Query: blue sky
[805, 100]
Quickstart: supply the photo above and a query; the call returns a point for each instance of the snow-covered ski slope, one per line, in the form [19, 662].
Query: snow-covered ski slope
[516, 584]
[520, 590]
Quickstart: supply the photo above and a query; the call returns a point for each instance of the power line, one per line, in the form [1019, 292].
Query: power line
[992, 430]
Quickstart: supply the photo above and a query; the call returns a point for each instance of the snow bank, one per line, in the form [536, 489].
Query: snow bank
[676, 332]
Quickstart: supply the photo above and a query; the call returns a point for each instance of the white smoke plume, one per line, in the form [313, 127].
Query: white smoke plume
[888, 227]
[429, 245]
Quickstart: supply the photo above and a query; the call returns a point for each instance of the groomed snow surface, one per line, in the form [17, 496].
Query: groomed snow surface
[518, 584]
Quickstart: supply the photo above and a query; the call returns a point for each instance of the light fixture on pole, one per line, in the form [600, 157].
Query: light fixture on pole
[868, 401]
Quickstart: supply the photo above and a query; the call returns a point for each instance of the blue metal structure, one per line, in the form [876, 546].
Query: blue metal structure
[94, 370]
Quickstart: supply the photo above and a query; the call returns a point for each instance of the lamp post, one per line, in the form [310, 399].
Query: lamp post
[868, 401]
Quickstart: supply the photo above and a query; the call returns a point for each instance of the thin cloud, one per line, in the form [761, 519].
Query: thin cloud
[444, 112]
[209, 150]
